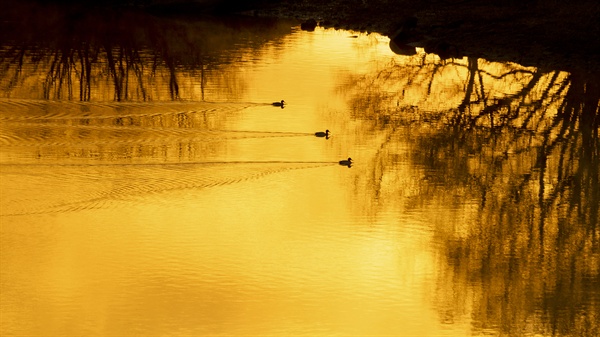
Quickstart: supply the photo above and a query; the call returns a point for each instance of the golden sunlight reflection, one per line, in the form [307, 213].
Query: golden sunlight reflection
[166, 195]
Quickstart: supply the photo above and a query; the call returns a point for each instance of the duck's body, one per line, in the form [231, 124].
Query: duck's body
[281, 103]
[346, 162]
[322, 134]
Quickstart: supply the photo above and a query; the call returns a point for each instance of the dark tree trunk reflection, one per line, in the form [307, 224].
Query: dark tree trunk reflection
[124, 55]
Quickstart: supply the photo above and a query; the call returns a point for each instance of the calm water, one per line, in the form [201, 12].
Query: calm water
[149, 187]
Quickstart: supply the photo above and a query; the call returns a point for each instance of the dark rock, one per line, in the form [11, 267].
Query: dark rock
[402, 49]
[309, 25]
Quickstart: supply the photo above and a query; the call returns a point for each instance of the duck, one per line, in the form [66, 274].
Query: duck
[322, 134]
[346, 162]
[281, 104]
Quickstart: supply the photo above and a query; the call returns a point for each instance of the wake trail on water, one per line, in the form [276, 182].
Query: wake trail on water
[80, 187]
[51, 133]
[163, 164]
[29, 109]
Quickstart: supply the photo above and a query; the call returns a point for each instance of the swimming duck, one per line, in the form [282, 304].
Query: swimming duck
[322, 134]
[346, 162]
[279, 103]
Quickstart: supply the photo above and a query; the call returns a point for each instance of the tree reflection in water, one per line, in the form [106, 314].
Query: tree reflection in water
[126, 55]
[516, 153]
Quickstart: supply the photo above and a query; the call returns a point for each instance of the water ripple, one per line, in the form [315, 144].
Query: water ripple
[30, 109]
[108, 185]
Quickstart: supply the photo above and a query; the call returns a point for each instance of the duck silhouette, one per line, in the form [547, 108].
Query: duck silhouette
[281, 104]
[346, 162]
[322, 134]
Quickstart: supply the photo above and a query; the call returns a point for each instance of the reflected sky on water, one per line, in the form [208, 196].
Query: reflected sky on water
[149, 187]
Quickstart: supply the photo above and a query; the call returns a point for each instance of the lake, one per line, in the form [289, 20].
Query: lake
[149, 186]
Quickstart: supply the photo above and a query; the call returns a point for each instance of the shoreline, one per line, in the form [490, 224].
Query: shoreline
[543, 34]
[558, 36]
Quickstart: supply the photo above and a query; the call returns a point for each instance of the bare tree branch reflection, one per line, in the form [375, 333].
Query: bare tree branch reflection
[121, 56]
[514, 152]
[61, 56]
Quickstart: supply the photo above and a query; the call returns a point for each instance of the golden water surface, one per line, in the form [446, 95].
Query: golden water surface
[149, 187]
